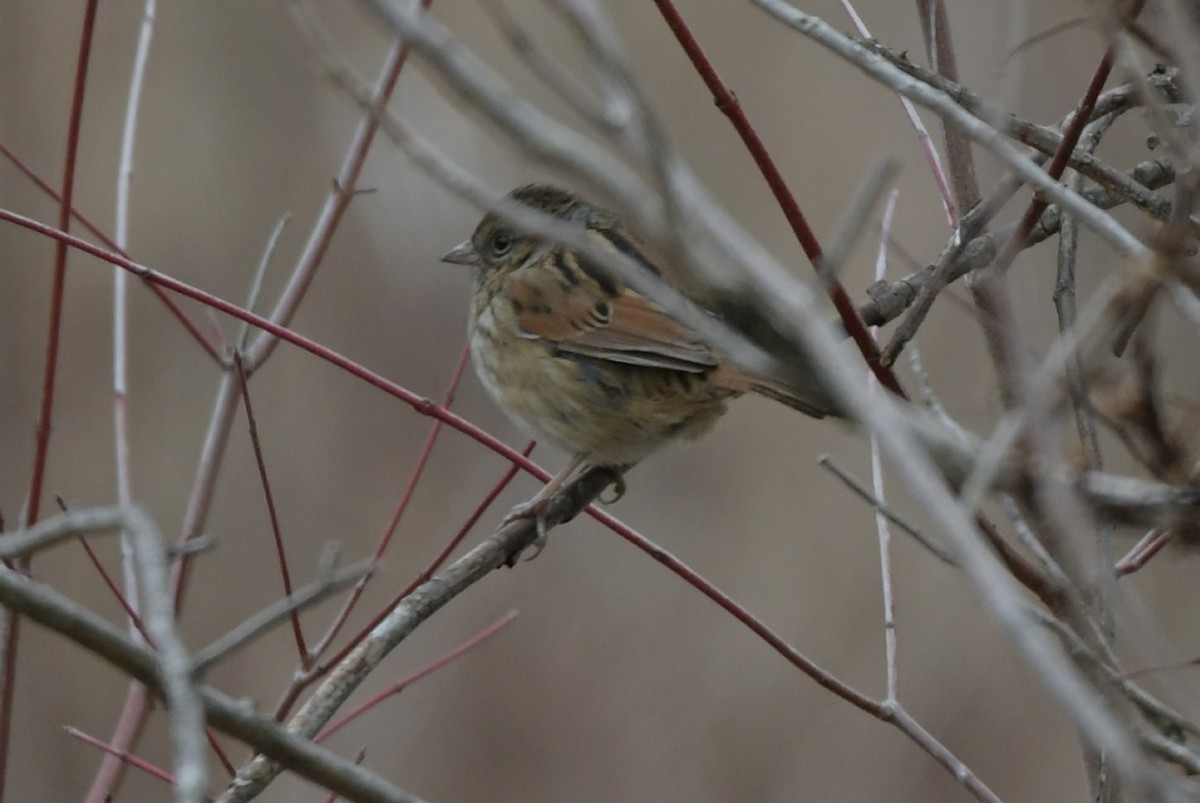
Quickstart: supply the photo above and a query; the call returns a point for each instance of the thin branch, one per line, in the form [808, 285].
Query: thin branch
[288, 607]
[935, 25]
[260, 273]
[57, 294]
[888, 301]
[221, 420]
[235, 717]
[212, 456]
[501, 548]
[578, 94]
[260, 463]
[729, 105]
[121, 448]
[883, 532]
[980, 132]
[126, 758]
[22, 544]
[910, 111]
[425, 671]
[1146, 548]
[174, 663]
[9, 623]
[883, 509]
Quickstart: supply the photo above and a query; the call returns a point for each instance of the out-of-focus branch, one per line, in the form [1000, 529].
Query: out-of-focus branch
[237, 718]
[335, 581]
[793, 309]
[174, 663]
[935, 26]
[1046, 139]
[501, 548]
[888, 301]
[984, 134]
[48, 532]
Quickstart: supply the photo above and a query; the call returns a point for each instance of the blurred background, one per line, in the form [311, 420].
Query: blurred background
[617, 681]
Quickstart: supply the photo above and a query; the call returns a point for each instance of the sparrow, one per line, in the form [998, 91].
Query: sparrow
[577, 358]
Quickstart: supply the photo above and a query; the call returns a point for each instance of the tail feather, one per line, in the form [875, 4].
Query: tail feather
[815, 403]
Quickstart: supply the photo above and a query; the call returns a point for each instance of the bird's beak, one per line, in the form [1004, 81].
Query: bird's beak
[462, 254]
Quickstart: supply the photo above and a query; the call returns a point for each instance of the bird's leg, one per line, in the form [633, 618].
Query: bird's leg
[535, 508]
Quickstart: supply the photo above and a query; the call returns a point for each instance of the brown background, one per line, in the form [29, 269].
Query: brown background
[617, 681]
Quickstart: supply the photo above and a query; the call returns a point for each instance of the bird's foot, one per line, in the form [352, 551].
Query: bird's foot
[533, 509]
[617, 488]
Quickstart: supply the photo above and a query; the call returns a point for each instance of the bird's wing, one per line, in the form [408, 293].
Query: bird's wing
[579, 308]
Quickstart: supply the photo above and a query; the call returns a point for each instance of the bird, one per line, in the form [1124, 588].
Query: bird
[577, 358]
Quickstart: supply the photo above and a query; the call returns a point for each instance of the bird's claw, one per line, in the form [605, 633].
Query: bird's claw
[535, 510]
[617, 488]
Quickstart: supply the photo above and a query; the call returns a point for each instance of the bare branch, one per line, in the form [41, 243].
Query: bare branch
[237, 718]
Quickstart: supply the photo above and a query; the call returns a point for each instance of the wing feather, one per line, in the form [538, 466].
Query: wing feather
[557, 299]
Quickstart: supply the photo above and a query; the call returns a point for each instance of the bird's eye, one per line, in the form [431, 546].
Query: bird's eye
[502, 243]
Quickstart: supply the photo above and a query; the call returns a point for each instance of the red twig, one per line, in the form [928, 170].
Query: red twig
[405, 499]
[58, 289]
[122, 600]
[219, 750]
[729, 105]
[419, 403]
[1058, 164]
[429, 669]
[134, 712]
[1150, 545]
[128, 758]
[109, 242]
[756, 625]
[269, 498]
[471, 521]
[11, 623]
[433, 566]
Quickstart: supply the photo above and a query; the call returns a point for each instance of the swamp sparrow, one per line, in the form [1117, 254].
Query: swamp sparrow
[580, 360]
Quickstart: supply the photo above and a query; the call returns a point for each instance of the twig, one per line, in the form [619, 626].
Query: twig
[499, 549]
[1146, 548]
[935, 27]
[425, 671]
[22, 544]
[126, 758]
[121, 450]
[57, 294]
[883, 532]
[287, 607]
[212, 452]
[884, 71]
[888, 302]
[858, 212]
[260, 463]
[729, 105]
[174, 664]
[926, 141]
[9, 624]
[221, 420]
[884, 509]
[237, 718]
[579, 95]
[260, 274]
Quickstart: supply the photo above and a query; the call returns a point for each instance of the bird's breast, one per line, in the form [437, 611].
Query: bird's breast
[615, 412]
